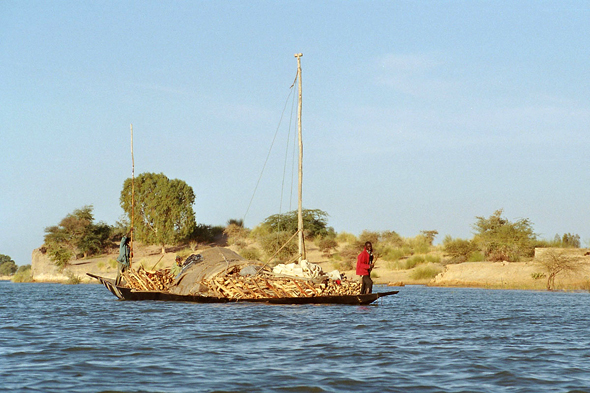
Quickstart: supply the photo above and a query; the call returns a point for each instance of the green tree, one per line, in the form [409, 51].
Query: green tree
[7, 266]
[430, 235]
[76, 235]
[315, 223]
[502, 240]
[163, 209]
[280, 245]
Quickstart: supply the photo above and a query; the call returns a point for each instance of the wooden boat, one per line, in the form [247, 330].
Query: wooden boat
[124, 293]
[197, 282]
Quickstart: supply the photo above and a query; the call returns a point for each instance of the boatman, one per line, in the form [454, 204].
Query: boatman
[124, 256]
[364, 265]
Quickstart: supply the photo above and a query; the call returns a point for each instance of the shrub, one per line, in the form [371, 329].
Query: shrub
[425, 272]
[251, 254]
[345, 237]
[391, 238]
[73, 279]
[278, 245]
[419, 244]
[60, 255]
[458, 249]
[432, 258]
[556, 262]
[476, 256]
[395, 253]
[414, 261]
[368, 236]
[327, 245]
[23, 274]
[500, 239]
[395, 265]
[235, 233]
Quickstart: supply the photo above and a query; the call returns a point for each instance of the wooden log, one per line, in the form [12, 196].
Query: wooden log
[272, 289]
[311, 287]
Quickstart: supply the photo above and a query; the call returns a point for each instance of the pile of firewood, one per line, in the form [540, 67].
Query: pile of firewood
[143, 280]
[234, 286]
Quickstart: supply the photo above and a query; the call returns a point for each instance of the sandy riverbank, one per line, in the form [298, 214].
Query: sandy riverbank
[497, 275]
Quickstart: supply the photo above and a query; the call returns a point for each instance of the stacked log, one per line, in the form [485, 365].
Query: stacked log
[232, 285]
[143, 280]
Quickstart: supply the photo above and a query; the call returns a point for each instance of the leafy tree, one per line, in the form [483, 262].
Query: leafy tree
[7, 266]
[315, 223]
[95, 239]
[163, 208]
[568, 240]
[499, 239]
[5, 258]
[75, 235]
[279, 246]
[430, 235]
[236, 221]
[202, 233]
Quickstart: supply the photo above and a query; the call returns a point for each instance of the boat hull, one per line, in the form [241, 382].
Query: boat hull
[128, 294]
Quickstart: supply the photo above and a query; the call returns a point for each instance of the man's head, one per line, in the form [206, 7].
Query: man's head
[368, 246]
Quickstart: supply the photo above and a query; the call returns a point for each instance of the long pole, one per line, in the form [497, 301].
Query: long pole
[132, 196]
[302, 255]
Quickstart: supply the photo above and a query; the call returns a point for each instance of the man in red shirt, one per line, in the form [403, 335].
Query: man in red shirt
[364, 265]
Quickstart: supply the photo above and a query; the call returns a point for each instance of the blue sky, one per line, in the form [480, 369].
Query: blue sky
[417, 115]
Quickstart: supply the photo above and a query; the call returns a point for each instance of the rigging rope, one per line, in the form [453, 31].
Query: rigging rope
[271, 146]
[286, 159]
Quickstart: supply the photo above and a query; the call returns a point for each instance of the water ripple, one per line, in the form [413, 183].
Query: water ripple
[59, 338]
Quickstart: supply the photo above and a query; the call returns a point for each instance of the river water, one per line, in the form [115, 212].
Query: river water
[79, 338]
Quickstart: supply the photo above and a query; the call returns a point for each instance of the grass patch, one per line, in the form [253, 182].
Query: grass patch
[414, 261]
[395, 253]
[425, 272]
[432, 258]
[395, 265]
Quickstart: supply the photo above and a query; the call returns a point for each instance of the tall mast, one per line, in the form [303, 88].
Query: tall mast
[132, 195]
[302, 255]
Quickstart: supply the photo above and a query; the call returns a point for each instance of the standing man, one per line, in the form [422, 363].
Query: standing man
[123, 258]
[364, 265]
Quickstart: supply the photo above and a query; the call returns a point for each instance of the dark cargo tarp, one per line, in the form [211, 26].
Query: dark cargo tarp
[214, 260]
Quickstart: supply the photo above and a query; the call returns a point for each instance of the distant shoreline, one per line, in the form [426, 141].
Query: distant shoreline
[528, 275]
